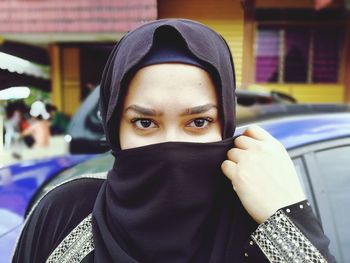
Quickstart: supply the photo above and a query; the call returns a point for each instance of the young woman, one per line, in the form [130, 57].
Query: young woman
[181, 188]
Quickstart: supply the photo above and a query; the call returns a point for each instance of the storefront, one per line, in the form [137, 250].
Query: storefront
[285, 46]
[72, 33]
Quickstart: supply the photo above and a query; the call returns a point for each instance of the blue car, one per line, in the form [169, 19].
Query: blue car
[317, 138]
[19, 183]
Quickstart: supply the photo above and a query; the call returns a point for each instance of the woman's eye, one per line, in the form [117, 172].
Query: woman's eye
[144, 123]
[200, 123]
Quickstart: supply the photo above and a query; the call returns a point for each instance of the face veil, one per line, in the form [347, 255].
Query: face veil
[169, 202]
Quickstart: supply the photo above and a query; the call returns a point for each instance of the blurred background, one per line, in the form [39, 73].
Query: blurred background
[292, 65]
[53, 53]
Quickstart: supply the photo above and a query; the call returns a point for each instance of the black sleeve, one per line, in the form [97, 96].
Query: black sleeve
[54, 218]
[293, 232]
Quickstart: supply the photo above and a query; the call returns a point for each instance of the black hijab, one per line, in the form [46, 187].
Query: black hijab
[169, 202]
[201, 41]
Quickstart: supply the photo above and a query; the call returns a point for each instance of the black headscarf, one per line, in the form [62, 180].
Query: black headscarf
[204, 43]
[169, 202]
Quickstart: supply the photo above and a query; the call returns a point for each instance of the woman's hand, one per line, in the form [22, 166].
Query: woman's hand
[262, 174]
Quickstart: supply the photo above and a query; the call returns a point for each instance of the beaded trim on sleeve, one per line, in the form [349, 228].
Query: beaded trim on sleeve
[281, 241]
[76, 246]
[99, 176]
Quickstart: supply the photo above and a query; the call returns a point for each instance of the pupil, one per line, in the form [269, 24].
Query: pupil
[145, 123]
[199, 123]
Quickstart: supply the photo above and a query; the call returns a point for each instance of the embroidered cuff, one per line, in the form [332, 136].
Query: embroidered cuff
[281, 241]
[76, 246]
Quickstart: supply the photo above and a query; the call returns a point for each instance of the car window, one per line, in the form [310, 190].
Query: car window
[300, 168]
[334, 170]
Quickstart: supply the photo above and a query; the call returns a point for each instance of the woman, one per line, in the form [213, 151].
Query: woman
[179, 191]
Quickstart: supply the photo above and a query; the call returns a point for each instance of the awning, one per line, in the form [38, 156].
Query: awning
[22, 66]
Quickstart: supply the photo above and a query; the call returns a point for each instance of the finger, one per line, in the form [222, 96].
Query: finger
[235, 154]
[244, 142]
[258, 133]
[229, 169]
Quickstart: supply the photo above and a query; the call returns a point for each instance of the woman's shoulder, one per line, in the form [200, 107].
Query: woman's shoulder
[75, 196]
[55, 216]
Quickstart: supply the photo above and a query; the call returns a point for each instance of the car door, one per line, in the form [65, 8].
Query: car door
[325, 170]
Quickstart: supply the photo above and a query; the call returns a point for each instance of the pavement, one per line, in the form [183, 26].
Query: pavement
[57, 146]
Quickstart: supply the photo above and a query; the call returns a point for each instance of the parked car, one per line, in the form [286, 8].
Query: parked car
[19, 185]
[317, 138]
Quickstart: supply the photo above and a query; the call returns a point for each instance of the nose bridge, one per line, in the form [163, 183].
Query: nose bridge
[172, 134]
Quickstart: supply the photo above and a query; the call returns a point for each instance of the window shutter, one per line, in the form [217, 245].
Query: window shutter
[326, 55]
[297, 42]
[267, 55]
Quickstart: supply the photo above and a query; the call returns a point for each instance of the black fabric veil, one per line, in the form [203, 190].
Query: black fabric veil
[169, 202]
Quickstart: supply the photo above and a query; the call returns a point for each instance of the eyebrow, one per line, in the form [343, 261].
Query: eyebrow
[189, 111]
[143, 110]
[199, 109]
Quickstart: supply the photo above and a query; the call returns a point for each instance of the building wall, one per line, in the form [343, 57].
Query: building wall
[292, 3]
[65, 78]
[306, 93]
[48, 22]
[70, 79]
[224, 16]
[228, 18]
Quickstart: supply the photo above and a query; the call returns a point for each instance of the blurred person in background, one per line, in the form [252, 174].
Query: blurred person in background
[15, 122]
[12, 126]
[39, 126]
[59, 120]
[181, 188]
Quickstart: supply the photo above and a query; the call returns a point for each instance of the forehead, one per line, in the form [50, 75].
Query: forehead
[171, 84]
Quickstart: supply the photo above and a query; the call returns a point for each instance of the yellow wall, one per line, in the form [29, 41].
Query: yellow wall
[291, 3]
[224, 16]
[65, 78]
[71, 79]
[308, 93]
[56, 92]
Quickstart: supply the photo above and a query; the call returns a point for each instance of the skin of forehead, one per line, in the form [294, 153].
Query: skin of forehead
[170, 88]
[168, 84]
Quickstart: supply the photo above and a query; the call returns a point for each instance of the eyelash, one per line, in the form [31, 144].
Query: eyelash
[133, 121]
[208, 119]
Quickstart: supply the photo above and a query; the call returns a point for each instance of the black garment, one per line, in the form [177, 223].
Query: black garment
[56, 215]
[169, 202]
[307, 223]
[65, 207]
